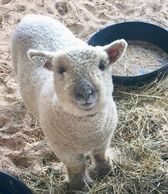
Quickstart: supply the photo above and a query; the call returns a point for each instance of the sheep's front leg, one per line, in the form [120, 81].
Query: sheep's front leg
[77, 172]
[103, 163]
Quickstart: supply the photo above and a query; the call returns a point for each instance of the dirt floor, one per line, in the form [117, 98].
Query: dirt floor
[23, 149]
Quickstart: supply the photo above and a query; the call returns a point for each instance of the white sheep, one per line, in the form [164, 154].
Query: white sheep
[66, 84]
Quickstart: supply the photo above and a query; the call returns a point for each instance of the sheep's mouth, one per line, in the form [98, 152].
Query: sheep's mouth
[86, 106]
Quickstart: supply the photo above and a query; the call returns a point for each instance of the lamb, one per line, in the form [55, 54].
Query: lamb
[66, 84]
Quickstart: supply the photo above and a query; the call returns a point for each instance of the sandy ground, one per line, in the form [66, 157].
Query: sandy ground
[21, 139]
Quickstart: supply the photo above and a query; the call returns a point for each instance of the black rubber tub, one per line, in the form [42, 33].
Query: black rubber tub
[134, 30]
[11, 185]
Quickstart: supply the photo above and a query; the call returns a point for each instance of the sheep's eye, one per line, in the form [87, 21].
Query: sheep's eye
[61, 70]
[102, 66]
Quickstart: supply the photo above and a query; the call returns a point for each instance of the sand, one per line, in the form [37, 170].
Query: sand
[21, 139]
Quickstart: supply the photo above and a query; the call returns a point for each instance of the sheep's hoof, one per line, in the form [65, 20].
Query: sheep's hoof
[102, 170]
[80, 184]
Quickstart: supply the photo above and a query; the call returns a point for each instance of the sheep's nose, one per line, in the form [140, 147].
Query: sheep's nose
[84, 92]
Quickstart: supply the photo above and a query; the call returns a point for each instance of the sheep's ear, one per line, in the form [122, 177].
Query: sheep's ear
[115, 50]
[47, 55]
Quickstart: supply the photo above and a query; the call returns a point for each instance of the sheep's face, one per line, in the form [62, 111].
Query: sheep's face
[82, 76]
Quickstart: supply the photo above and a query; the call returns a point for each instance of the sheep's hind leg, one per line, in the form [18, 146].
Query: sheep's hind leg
[77, 172]
[103, 163]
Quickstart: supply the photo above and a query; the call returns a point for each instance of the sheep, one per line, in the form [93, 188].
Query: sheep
[66, 84]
